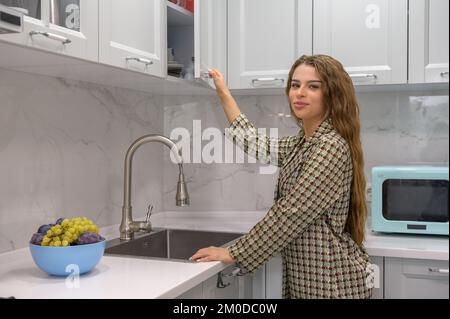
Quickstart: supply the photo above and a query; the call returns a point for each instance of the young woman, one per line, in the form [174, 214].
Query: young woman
[317, 222]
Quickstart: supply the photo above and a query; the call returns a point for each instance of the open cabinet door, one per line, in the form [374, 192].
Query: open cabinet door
[210, 30]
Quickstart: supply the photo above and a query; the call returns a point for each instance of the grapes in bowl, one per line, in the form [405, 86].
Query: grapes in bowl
[70, 246]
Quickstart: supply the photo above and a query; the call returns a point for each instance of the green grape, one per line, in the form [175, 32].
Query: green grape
[68, 231]
[45, 241]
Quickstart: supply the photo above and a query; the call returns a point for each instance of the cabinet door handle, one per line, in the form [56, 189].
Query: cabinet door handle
[140, 60]
[444, 74]
[438, 270]
[236, 272]
[52, 36]
[257, 81]
[364, 76]
[205, 75]
[220, 283]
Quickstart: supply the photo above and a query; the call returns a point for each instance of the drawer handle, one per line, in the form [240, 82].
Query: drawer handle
[364, 76]
[140, 60]
[444, 74]
[438, 270]
[267, 81]
[52, 36]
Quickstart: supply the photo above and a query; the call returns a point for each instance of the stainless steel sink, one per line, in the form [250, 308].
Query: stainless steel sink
[170, 243]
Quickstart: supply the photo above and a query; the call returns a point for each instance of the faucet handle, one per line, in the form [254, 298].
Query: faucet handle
[149, 212]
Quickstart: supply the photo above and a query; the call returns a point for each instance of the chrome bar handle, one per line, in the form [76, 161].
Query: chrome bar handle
[267, 81]
[364, 76]
[438, 270]
[52, 36]
[140, 60]
[444, 74]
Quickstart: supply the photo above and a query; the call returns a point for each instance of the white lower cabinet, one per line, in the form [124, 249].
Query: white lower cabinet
[193, 293]
[224, 285]
[378, 267]
[416, 279]
[395, 278]
[274, 278]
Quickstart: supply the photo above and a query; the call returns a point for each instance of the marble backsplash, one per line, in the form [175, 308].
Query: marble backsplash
[63, 143]
[397, 128]
[62, 148]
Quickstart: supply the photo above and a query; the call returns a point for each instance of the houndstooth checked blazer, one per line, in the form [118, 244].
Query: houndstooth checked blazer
[306, 223]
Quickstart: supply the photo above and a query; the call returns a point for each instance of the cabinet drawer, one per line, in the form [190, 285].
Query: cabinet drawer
[414, 278]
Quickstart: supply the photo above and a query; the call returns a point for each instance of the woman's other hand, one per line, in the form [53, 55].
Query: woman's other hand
[219, 81]
[213, 254]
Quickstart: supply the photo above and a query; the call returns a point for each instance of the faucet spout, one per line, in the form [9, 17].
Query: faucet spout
[128, 226]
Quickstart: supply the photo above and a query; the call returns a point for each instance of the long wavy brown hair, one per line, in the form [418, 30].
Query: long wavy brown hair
[342, 107]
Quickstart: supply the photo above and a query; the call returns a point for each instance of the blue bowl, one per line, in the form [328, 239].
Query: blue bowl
[64, 261]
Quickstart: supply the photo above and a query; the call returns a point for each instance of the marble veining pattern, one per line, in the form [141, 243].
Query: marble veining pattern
[396, 128]
[63, 143]
[62, 147]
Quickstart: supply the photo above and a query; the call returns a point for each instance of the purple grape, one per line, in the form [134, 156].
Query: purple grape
[36, 239]
[59, 221]
[89, 238]
[44, 228]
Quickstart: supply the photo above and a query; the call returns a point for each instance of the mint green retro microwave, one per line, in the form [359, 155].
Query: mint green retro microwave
[410, 199]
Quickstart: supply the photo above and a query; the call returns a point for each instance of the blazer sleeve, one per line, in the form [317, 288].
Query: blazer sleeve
[319, 185]
[267, 150]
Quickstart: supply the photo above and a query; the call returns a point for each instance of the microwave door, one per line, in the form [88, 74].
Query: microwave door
[415, 200]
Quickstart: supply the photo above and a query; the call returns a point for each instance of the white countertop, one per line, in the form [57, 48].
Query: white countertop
[123, 277]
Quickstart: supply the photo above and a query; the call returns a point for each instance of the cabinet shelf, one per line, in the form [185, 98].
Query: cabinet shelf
[178, 16]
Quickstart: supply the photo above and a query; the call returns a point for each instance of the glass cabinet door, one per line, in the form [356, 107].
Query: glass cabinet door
[68, 27]
[30, 8]
[65, 13]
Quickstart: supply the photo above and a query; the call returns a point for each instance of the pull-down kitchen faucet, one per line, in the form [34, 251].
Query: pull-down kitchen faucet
[128, 227]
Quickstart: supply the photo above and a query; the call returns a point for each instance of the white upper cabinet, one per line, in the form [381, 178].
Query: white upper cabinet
[428, 41]
[265, 37]
[210, 38]
[133, 35]
[67, 27]
[369, 37]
